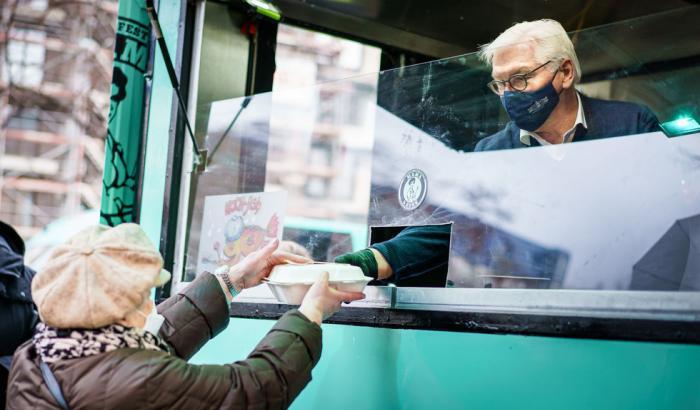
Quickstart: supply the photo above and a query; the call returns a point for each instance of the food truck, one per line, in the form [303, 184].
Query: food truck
[573, 275]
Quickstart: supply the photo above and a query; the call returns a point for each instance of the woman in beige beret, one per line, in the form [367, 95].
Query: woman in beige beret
[101, 344]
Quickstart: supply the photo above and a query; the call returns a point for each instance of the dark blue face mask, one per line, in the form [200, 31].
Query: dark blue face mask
[529, 110]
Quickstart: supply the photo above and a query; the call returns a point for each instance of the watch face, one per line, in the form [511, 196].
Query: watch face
[413, 189]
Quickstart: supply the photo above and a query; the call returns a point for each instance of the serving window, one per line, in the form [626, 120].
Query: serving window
[596, 238]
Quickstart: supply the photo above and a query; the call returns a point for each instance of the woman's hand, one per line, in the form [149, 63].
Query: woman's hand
[322, 301]
[257, 265]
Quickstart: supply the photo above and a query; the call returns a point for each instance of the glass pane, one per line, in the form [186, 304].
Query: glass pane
[314, 143]
[617, 209]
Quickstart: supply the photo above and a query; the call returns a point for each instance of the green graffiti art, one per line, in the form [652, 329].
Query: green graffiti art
[123, 142]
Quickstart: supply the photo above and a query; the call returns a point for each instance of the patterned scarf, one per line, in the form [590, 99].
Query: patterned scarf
[54, 344]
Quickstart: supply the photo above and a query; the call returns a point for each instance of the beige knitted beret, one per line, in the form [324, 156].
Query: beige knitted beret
[98, 277]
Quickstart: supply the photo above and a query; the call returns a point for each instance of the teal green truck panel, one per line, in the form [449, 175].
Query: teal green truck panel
[375, 368]
[159, 116]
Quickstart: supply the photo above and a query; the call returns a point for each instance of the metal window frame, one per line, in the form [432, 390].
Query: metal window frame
[590, 314]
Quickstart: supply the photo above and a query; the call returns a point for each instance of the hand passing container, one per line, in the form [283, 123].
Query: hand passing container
[289, 283]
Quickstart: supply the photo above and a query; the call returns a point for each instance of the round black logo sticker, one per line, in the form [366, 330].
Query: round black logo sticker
[413, 188]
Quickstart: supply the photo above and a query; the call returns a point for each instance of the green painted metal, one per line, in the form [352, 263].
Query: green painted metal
[374, 368]
[123, 142]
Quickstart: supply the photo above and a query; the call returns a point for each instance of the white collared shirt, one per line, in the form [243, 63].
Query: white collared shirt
[568, 135]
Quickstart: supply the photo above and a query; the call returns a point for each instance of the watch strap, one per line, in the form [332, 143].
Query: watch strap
[227, 281]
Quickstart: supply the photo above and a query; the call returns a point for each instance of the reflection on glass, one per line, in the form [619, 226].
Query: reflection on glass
[580, 215]
[673, 262]
[600, 213]
[313, 142]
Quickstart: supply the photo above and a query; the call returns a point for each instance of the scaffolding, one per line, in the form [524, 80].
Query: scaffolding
[55, 72]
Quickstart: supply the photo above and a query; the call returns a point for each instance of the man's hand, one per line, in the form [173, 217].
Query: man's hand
[322, 301]
[257, 265]
[370, 260]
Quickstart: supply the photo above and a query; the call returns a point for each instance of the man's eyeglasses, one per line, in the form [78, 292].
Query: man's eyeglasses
[517, 82]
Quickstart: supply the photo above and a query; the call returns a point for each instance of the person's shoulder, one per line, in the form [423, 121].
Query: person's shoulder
[502, 139]
[124, 370]
[25, 353]
[135, 355]
[618, 118]
[614, 107]
[25, 364]
[24, 377]
[123, 366]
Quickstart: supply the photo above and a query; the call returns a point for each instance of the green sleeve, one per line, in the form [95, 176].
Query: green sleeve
[416, 251]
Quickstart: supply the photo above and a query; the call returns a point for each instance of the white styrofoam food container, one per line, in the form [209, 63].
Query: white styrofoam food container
[289, 283]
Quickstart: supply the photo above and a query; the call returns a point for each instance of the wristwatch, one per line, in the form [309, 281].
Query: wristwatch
[227, 281]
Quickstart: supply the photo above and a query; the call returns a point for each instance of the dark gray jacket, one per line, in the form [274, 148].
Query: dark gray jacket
[604, 119]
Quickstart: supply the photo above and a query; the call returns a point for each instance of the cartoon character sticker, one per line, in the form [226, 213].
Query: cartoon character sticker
[234, 226]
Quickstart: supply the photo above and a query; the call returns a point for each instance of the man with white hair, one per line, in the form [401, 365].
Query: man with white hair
[535, 70]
